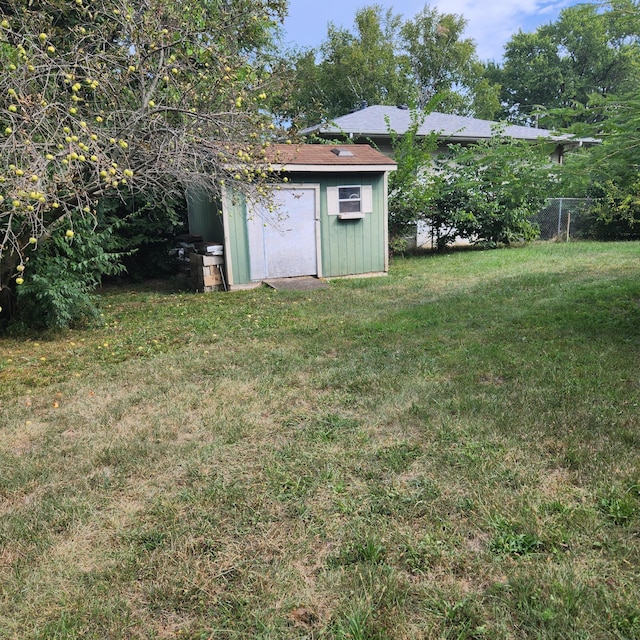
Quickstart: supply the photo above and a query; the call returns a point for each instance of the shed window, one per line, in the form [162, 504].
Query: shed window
[349, 200]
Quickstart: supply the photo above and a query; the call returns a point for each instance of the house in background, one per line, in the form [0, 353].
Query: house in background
[328, 219]
[372, 125]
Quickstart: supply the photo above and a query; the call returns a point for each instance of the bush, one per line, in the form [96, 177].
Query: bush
[60, 276]
[488, 192]
[152, 223]
[615, 214]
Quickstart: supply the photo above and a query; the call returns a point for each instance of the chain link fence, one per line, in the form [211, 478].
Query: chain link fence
[563, 218]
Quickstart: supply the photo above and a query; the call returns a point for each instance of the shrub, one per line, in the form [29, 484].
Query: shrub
[61, 275]
[488, 192]
[152, 223]
[615, 214]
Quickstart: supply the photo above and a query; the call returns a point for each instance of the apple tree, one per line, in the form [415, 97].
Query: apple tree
[104, 97]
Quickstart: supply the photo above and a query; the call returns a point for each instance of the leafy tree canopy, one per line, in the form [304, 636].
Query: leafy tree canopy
[445, 65]
[593, 48]
[609, 173]
[350, 68]
[388, 60]
[103, 96]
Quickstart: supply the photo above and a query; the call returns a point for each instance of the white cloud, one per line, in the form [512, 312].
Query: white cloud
[491, 24]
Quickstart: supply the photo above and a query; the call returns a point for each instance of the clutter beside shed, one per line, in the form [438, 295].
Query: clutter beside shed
[327, 218]
[206, 267]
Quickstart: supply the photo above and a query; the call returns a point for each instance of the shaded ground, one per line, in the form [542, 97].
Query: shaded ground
[305, 283]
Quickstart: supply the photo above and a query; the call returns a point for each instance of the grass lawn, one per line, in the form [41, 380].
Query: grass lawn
[448, 452]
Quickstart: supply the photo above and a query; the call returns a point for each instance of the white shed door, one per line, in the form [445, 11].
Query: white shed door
[282, 243]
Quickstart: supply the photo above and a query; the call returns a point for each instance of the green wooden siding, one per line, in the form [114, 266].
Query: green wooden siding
[351, 247]
[205, 217]
[348, 247]
[238, 247]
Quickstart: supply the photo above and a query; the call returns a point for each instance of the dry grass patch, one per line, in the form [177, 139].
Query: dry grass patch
[449, 452]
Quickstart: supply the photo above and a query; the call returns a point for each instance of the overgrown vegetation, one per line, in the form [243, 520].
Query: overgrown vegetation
[409, 191]
[130, 100]
[448, 452]
[591, 51]
[486, 193]
[608, 173]
[64, 273]
[580, 71]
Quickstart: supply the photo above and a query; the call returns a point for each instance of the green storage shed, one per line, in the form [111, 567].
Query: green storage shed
[327, 217]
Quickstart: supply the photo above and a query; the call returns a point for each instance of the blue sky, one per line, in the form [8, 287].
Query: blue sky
[489, 22]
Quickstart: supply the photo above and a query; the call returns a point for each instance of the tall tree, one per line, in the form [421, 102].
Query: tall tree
[593, 48]
[446, 65]
[385, 60]
[97, 97]
[363, 66]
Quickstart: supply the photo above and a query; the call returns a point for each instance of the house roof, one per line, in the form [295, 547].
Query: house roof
[328, 157]
[372, 122]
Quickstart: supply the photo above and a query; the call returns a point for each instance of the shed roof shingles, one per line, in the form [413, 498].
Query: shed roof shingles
[323, 155]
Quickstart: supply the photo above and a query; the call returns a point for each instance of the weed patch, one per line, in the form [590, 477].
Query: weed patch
[509, 540]
[621, 506]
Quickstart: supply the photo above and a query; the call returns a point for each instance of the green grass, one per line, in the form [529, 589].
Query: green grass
[448, 452]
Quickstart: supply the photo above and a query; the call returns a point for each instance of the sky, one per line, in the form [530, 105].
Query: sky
[490, 23]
